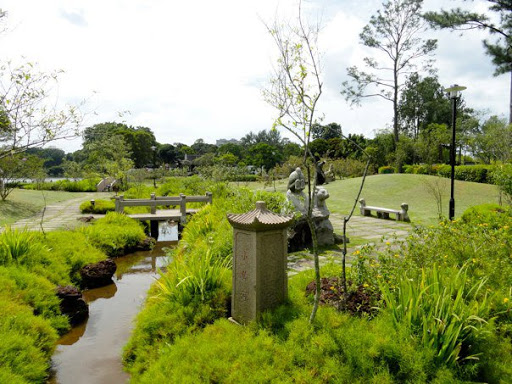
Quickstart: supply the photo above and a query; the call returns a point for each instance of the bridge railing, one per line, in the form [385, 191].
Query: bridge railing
[181, 201]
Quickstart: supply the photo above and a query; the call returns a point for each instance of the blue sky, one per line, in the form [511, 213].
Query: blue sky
[191, 70]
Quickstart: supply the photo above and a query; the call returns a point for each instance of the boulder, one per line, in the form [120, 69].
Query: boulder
[98, 274]
[72, 304]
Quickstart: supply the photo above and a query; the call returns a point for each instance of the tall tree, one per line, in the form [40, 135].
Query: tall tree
[394, 31]
[493, 142]
[139, 140]
[500, 50]
[270, 137]
[109, 158]
[326, 132]
[423, 102]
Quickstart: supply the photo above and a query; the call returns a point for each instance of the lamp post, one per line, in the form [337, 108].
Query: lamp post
[453, 92]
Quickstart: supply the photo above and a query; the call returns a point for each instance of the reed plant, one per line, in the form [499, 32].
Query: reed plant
[19, 246]
[442, 309]
[197, 276]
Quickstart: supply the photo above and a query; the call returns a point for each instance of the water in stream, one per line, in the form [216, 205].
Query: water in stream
[91, 352]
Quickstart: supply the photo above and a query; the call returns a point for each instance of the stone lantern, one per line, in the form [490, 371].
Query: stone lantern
[260, 280]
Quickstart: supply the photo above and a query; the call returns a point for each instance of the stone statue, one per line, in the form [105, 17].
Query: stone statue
[299, 236]
[319, 173]
[323, 226]
[295, 194]
[329, 175]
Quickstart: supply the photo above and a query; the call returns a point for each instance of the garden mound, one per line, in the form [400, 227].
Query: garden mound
[361, 300]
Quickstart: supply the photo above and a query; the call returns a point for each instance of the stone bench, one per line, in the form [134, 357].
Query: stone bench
[383, 213]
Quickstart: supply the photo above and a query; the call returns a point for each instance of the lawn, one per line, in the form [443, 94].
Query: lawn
[21, 203]
[391, 190]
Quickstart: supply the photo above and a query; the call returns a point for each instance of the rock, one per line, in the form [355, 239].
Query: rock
[147, 244]
[98, 274]
[86, 219]
[72, 304]
[338, 239]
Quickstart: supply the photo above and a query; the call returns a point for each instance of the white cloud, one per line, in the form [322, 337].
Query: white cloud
[192, 70]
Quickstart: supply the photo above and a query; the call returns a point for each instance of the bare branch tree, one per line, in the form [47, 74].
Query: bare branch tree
[29, 116]
[294, 91]
[393, 32]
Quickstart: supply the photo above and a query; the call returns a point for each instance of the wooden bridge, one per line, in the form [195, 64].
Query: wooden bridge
[157, 215]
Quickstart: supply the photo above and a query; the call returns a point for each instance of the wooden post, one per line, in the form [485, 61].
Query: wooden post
[154, 229]
[119, 204]
[209, 196]
[183, 208]
[153, 206]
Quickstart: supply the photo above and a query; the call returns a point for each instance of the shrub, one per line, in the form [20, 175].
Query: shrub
[34, 291]
[193, 277]
[475, 173]
[27, 341]
[85, 185]
[114, 234]
[99, 207]
[347, 168]
[73, 249]
[409, 169]
[444, 170]
[502, 177]
[387, 169]
[492, 215]
[284, 347]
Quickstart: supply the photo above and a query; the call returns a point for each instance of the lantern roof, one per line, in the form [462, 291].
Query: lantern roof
[259, 219]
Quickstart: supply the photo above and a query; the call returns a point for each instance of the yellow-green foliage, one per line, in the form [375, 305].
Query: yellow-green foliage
[285, 348]
[26, 343]
[28, 249]
[31, 265]
[114, 233]
[99, 207]
[195, 290]
[172, 344]
[74, 249]
[35, 291]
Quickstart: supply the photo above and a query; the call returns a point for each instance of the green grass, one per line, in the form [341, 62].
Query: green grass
[391, 190]
[22, 204]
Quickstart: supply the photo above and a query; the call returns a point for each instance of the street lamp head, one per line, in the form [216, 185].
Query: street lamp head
[454, 90]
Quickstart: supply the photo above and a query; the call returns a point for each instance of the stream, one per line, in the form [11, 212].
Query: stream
[91, 352]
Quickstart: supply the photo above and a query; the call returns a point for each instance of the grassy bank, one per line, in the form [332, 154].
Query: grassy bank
[22, 204]
[391, 190]
[444, 312]
[32, 265]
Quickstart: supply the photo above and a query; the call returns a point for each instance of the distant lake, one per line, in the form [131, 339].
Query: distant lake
[46, 180]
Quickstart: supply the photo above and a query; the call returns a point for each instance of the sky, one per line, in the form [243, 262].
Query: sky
[196, 69]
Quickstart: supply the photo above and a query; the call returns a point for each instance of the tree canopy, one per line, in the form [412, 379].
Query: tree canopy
[499, 49]
[394, 32]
